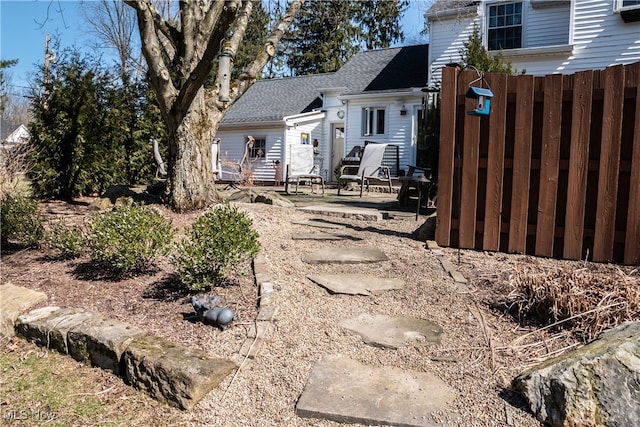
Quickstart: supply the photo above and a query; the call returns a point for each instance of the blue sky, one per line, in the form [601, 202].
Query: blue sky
[25, 23]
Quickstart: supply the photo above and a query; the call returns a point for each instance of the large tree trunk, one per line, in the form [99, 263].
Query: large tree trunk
[191, 185]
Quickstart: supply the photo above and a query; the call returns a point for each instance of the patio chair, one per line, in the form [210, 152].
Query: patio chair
[216, 161]
[301, 168]
[370, 168]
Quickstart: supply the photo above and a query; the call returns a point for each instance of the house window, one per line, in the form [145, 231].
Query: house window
[373, 121]
[505, 26]
[629, 10]
[259, 148]
[629, 4]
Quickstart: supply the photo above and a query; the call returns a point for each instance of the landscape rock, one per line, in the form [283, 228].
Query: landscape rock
[49, 326]
[15, 300]
[100, 205]
[266, 197]
[596, 385]
[272, 198]
[101, 342]
[172, 373]
[427, 231]
[115, 192]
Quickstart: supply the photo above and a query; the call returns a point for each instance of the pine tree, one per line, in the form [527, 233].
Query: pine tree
[327, 33]
[474, 54]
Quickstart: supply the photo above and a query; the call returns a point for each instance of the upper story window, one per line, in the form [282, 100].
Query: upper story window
[373, 121]
[505, 26]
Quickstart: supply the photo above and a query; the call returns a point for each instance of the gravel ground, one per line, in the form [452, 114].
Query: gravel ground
[474, 357]
[306, 327]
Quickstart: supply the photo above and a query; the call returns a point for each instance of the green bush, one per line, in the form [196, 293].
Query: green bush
[20, 220]
[128, 238]
[68, 239]
[219, 239]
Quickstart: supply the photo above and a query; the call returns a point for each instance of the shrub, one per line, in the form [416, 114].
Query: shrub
[128, 238]
[68, 239]
[218, 240]
[20, 220]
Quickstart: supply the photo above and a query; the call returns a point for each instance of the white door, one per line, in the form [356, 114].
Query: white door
[337, 148]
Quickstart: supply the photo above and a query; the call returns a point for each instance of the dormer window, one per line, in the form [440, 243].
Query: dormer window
[505, 26]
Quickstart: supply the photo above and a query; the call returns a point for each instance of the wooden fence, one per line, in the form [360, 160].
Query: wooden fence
[553, 171]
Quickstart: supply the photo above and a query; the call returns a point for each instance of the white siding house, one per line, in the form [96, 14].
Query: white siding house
[539, 37]
[376, 96]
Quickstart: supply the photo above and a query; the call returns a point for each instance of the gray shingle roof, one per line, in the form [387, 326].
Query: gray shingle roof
[272, 99]
[440, 6]
[385, 70]
[6, 128]
[370, 71]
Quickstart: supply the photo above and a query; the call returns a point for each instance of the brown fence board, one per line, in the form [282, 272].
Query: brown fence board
[521, 165]
[446, 155]
[550, 164]
[495, 162]
[578, 163]
[632, 240]
[470, 154]
[609, 163]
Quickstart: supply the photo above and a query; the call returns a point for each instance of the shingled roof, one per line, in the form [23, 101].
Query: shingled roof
[383, 70]
[444, 6]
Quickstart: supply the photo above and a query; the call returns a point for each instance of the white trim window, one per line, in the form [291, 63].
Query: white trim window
[504, 23]
[259, 148]
[629, 10]
[373, 121]
[627, 4]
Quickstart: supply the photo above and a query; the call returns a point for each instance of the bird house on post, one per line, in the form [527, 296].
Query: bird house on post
[483, 100]
[224, 76]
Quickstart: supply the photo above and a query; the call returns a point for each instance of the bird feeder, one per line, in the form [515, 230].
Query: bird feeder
[483, 100]
[224, 76]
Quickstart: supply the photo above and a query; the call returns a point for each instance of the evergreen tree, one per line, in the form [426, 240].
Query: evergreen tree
[474, 54]
[327, 33]
[4, 83]
[89, 131]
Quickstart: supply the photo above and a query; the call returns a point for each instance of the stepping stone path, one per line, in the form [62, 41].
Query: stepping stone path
[344, 390]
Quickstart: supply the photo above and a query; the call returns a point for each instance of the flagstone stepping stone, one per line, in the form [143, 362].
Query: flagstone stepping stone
[392, 331]
[320, 223]
[362, 214]
[348, 255]
[346, 391]
[322, 236]
[356, 284]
